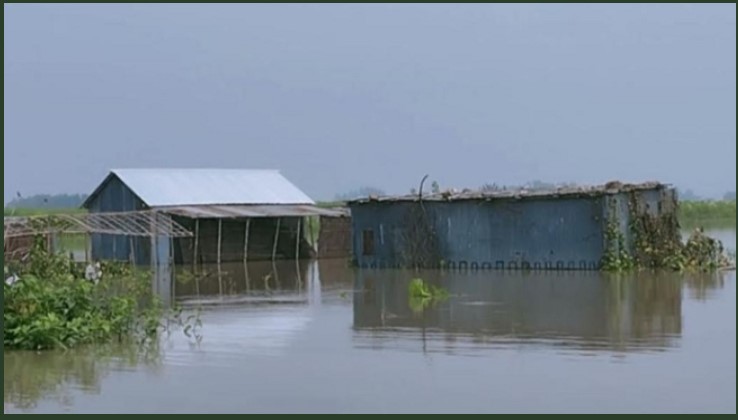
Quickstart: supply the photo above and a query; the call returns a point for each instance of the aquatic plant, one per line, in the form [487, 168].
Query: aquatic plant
[422, 294]
[51, 304]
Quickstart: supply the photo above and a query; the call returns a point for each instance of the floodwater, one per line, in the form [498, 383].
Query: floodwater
[335, 339]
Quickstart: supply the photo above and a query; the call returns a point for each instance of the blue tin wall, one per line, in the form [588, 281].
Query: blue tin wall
[386, 220]
[552, 233]
[115, 196]
[512, 234]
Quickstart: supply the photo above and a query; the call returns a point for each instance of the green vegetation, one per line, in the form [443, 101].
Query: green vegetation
[38, 211]
[48, 201]
[52, 305]
[713, 213]
[422, 294]
[312, 230]
[656, 243]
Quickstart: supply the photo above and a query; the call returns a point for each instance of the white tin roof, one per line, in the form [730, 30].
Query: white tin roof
[178, 187]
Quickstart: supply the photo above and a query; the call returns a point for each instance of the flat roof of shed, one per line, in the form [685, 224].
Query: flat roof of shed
[517, 194]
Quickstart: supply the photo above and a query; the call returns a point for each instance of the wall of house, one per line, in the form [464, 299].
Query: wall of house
[233, 234]
[117, 197]
[546, 233]
[334, 239]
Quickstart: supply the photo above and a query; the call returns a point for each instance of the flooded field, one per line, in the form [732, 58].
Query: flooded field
[328, 338]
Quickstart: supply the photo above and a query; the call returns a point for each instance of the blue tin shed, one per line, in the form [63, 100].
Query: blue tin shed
[565, 228]
[233, 214]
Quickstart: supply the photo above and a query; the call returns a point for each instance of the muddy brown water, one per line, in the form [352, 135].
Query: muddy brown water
[336, 339]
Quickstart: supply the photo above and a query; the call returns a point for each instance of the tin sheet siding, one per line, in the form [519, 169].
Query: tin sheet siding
[116, 197]
[386, 224]
[563, 233]
[513, 234]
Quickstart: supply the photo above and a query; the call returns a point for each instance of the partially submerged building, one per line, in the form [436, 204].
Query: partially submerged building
[233, 215]
[566, 228]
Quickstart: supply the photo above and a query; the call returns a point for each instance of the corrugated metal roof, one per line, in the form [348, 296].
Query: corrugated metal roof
[517, 194]
[235, 211]
[177, 187]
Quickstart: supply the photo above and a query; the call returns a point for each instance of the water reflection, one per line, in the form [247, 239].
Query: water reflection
[583, 311]
[53, 375]
[256, 310]
[335, 323]
[260, 282]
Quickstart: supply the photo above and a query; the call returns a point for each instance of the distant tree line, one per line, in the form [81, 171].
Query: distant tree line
[48, 201]
[689, 195]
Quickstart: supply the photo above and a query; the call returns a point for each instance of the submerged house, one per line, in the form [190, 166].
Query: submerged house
[334, 239]
[233, 215]
[566, 228]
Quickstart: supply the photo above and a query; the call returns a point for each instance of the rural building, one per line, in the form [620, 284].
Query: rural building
[566, 228]
[334, 239]
[233, 215]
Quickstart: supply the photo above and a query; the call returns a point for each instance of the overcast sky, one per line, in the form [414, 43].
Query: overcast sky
[341, 96]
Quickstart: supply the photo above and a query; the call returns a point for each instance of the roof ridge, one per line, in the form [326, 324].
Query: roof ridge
[194, 169]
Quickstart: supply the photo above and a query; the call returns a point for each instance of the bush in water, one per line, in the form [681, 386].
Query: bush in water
[50, 304]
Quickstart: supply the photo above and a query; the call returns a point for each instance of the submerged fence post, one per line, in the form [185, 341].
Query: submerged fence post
[276, 238]
[246, 240]
[274, 252]
[153, 257]
[297, 250]
[194, 253]
[246, 254]
[220, 237]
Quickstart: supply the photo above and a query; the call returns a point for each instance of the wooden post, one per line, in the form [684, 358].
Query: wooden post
[276, 238]
[194, 252]
[246, 274]
[220, 237]
[246, 240]
[274, 253]
[173, 268]
[88, 247]
[153, 257]
[132, 253]
[297, 242]
[313, 220]
[297, 250]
